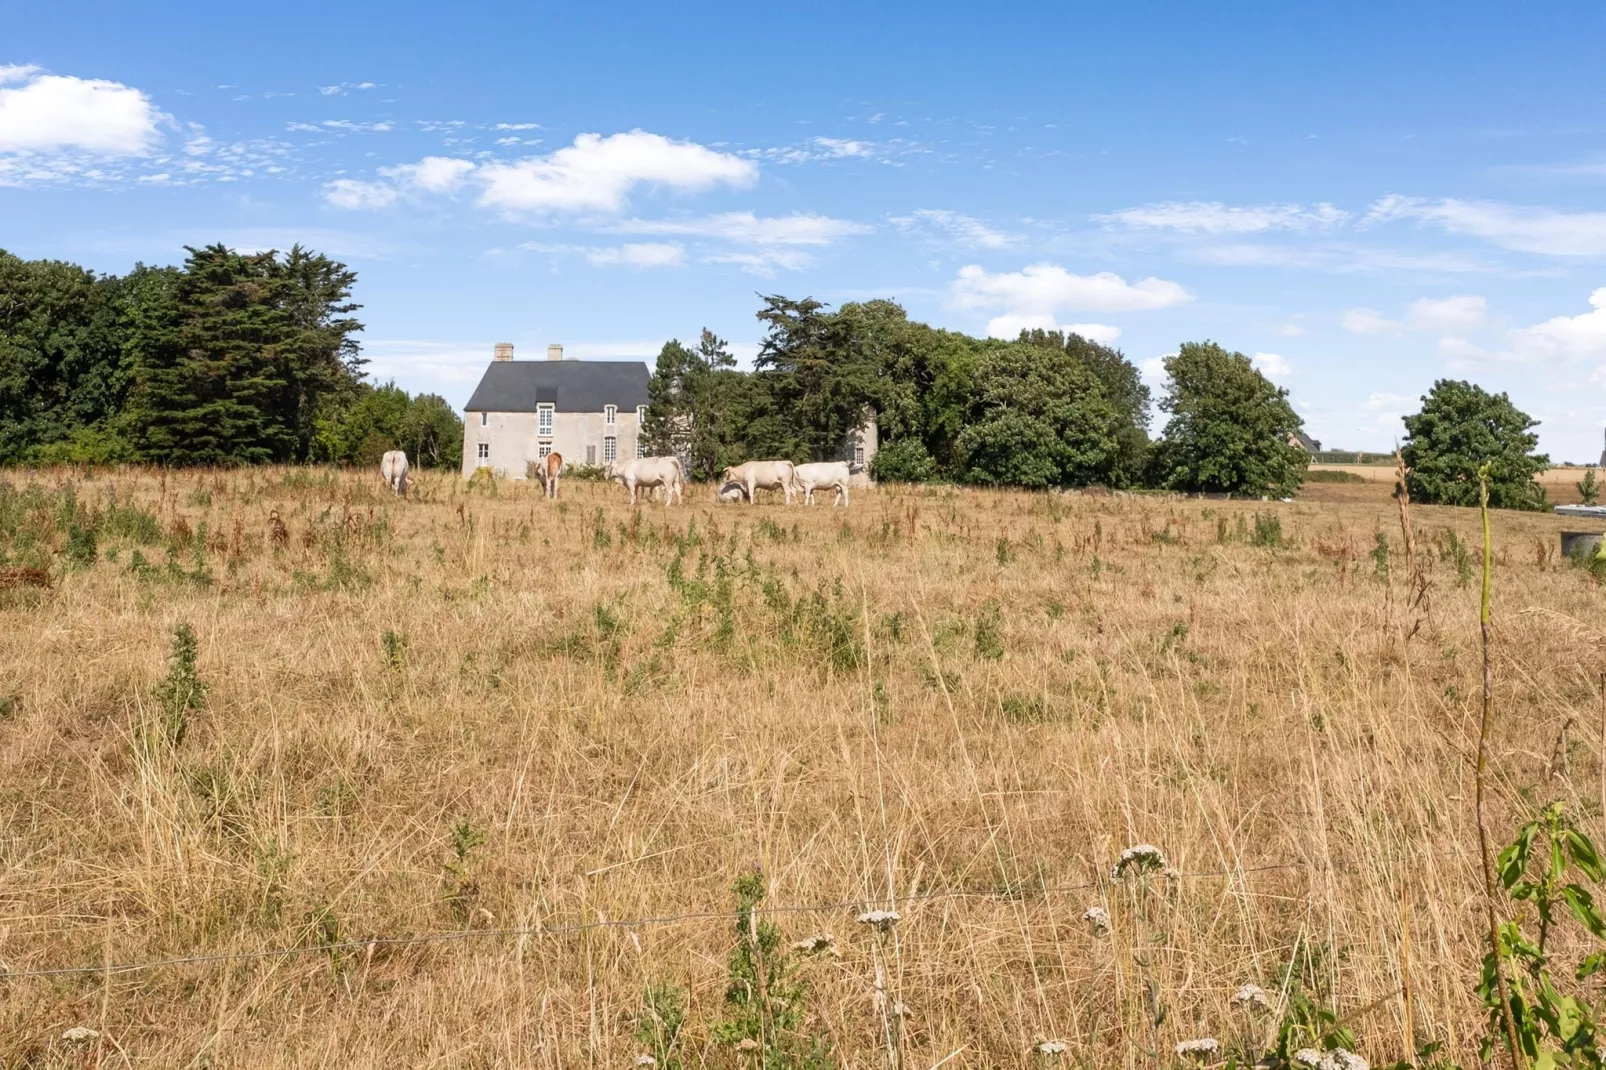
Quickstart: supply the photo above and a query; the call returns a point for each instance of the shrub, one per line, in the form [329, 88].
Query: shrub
[182, 691]
[765, 1003]
[1460, 429]
[904, 460]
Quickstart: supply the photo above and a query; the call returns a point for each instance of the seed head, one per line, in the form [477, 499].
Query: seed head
[1137, 860]
[880, 920]
[1051, 1048]
[80, 1034]
[1202, 1048]
[1251, 998]
[1098, 918]
[646, 1060]
[811, 945]
[1308, 1057]
[1340, 1059]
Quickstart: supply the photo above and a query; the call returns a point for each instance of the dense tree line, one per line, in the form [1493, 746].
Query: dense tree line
[1044, 410]
[232, 358]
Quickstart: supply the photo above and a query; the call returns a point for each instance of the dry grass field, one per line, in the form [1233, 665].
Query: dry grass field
[1560, 483]
[536, 725]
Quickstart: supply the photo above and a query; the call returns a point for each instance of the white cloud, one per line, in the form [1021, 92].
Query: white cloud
[1382, 400]
[1272, 366]
[1153, 370]
[766, 262]
[1292, 328]
[597, 174]
[640, 255]
[1039, 291]
[1213, 217]
[359, 196]
[349, 126]
[832, 146]
[1009, 326]
[1564, 338]
[1450, 314]
[963, 228]
[343, 88]
[1530, 230]
[53, 113]
[432, 174]
[1460, 353]
[517, 126]
[1371, 321]
[803, 228]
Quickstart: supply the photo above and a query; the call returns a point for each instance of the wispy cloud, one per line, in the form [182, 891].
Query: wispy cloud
[956, 226]
[1214, 217]
[747, 228]
[1546, 231]
[1034, 296]
[344, 87]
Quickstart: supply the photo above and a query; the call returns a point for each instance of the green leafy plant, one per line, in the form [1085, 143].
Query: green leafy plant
[765, 1002]
[1588, 488]
[1268, 531]
[1555, 1023]
[182, 691]
[660, 1023]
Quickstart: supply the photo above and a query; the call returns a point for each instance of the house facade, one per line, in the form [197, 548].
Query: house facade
[589, 411]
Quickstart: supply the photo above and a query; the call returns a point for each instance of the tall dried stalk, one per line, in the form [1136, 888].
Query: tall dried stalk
[1482, 778]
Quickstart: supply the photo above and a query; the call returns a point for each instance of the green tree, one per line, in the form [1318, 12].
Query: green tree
[361, 428]
[233, 357]
[1039, 419]
[59, 360]
[1462, 427]
[432, 433]
[1122, 386]
[823, 384]
[1229, 429]
[687, 403]
[903, 460]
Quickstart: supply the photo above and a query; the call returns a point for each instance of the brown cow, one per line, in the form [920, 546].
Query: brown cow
[551, 469]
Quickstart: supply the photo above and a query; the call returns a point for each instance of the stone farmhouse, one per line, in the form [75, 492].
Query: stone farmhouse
[590, 411]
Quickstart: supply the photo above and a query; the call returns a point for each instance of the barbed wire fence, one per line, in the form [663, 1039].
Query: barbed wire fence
[658, 921]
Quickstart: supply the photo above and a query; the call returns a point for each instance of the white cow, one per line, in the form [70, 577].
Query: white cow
[731, 492]
[649, 472]
[809, 478]
[768, 475]
[393, 470]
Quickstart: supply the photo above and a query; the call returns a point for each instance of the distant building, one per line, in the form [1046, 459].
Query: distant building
[589, 411]
[1304, 442]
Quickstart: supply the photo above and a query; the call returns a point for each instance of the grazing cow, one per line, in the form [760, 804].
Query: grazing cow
[551, 467]
[731, 492]
[649, 472]
[809, 478]
[393, 470]
[769, 475]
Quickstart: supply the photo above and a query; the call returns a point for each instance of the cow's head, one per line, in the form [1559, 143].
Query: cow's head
[730, 474]
[610, 470]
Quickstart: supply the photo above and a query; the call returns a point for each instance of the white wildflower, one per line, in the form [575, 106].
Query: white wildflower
[646, 1060]
[810, 945]
[80, 1034]
[1097, 917]
[1051, 1047]
[1201, 1048]
[1137, 860]
[1340, 1059]
[1252, 997]
[747, 1044]
[880, 920]
[1308, 1057]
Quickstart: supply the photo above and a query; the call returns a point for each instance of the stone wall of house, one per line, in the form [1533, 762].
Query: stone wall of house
[510, 442]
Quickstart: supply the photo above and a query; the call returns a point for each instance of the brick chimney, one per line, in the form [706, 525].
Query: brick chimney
[504, 351]
[554, 352]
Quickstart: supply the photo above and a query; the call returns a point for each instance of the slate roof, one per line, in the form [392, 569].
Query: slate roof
[569, 385]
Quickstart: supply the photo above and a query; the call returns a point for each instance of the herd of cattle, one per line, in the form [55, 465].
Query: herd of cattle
[741, 482]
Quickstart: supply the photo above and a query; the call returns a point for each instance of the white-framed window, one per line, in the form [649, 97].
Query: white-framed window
[641, 445]
[591, 454]
[543, 420]
[858, 453]
[542, 449]
[484, 451]
[610, 414]
[641, 415]
[610, 448]
[485, 418]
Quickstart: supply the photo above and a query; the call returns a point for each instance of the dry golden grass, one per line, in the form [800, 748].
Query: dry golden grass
[952, 703]
[1561, 484]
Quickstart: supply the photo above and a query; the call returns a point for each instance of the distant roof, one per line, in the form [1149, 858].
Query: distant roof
[568, 385]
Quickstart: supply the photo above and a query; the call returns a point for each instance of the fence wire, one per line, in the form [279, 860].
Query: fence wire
[660, 921]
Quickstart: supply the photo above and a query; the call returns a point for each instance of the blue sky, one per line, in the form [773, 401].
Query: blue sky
[1365, 198]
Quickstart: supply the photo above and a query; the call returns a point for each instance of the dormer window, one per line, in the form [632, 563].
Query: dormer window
[485, 418]
[610, 414]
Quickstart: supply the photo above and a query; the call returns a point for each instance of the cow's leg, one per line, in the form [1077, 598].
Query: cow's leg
[752, 491]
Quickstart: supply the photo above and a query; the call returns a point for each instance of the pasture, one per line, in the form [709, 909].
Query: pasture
[556, 735]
